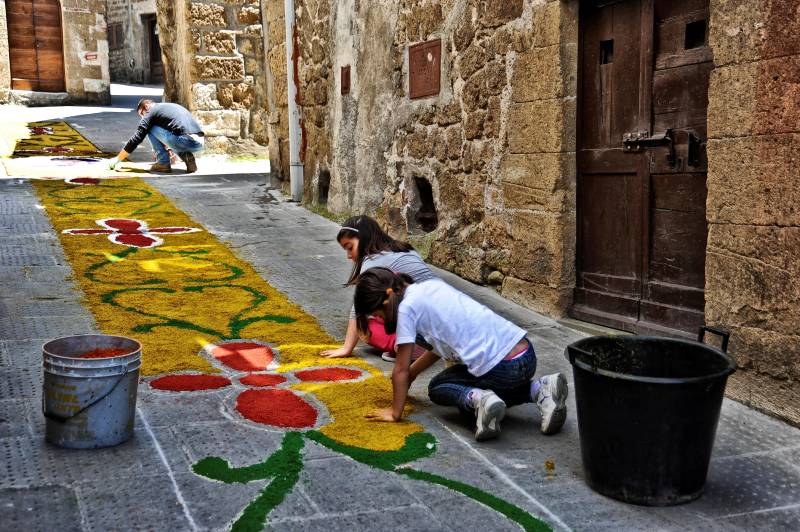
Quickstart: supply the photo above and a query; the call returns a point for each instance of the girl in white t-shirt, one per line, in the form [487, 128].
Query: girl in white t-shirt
[495, 362]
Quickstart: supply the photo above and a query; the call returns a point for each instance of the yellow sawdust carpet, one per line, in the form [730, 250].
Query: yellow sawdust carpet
[148, 271]
[53, 138]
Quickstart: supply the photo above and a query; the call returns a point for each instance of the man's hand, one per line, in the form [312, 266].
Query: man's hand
[382, 414]
[335, 353]
[112, 163]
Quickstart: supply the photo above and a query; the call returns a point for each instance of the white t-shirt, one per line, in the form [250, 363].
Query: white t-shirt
[458, 327]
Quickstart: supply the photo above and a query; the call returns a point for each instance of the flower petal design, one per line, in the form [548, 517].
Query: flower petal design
[189, 383]
[328, 374]
[276, 407]
[173, 230]
[135, 240]
[263, 379]
[124, 225]
[88, 231]
[83, 181]
[243, 356]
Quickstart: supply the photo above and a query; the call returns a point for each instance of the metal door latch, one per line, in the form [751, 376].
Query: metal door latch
[638, 140]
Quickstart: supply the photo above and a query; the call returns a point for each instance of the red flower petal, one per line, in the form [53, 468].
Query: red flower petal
[89, 231]
[171, 230]
[84, 180]
[189, 383]
[276, 407]
[123, 225]
[328, 374]
[135, 240]
[263, 380]
[243, 356]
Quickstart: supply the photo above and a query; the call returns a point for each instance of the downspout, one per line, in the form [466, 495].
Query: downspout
[292, 79]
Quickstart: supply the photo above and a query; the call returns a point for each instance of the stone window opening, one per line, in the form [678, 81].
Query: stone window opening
[323, 186]
[423, 211]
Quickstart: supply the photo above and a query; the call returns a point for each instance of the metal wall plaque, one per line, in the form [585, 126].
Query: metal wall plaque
[345, 79]
[424, 69]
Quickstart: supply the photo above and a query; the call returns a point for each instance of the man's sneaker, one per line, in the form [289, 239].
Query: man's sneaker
[191, 164]
[161, 168]
[490, 412]
[551, 400]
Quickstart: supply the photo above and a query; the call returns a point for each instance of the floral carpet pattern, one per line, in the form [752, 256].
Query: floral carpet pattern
[54, 138]
[208, 321]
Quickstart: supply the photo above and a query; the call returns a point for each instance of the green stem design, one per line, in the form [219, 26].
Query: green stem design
[417, 446]
[283, 467]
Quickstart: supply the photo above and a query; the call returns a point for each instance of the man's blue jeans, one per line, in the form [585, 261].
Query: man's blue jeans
[509, 379]
[161, 139]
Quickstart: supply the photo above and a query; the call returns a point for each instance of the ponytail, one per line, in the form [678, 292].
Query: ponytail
[379, 288]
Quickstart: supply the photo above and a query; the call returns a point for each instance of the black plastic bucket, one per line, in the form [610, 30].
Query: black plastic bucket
[648, 409]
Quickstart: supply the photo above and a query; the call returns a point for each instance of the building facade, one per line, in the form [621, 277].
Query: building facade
[53, 51]
[134, 49]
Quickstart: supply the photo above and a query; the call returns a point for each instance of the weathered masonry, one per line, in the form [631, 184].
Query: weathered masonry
[134, 49]
[632, 163]
[53, 51]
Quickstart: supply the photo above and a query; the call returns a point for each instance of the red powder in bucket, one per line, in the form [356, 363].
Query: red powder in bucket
[328, 374]
[105, 353]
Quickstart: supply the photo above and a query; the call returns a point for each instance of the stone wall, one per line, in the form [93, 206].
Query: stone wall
[215, 66]
[86, 51]
[752, 266]
[85, 55]
[131, 63]
[496, 145]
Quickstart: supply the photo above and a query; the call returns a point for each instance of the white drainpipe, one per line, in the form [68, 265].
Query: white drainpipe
[295, 164]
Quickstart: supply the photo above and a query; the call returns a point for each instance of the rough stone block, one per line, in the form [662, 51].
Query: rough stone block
[219, 42]
[537, 75]
[548, 172]
[235, 95]
[542, 126]
[223, 68]
[225, 123]
[547, 24]
[752, 275]
[493, 14]
[205, 15]
[543, 250]
[255, 30]
[249, 15]
[777, 108]
[204, 97]
[753, 180]
[737, 31]
[731, 100]
[549, 300]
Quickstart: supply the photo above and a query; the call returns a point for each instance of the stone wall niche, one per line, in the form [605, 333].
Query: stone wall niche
[422, 215]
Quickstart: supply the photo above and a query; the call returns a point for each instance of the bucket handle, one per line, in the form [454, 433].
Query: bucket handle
[716, 330]
[64, 419]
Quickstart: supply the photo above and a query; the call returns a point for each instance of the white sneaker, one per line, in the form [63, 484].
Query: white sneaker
[551, 400]
[490, 412]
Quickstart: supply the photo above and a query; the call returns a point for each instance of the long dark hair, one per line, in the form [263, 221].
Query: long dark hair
[371, 239]
[375, 287]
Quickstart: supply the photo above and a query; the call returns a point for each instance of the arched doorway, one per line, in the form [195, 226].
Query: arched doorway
[35, 45]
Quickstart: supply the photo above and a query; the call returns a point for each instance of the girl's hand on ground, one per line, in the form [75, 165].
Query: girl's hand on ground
[381, 414]
[335, 353]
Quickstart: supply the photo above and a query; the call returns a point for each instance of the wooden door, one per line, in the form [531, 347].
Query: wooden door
[35, 45]
[153, 47]
[644, 69]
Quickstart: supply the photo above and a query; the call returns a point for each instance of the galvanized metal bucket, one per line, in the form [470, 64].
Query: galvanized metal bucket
[89, 402]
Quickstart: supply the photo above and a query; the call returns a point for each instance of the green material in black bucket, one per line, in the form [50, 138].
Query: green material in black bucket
[648, 409]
